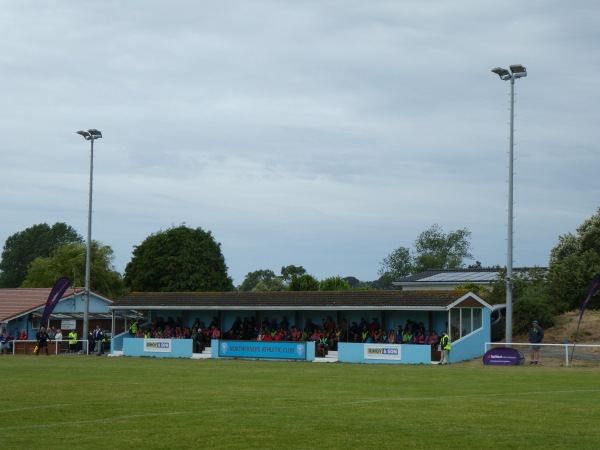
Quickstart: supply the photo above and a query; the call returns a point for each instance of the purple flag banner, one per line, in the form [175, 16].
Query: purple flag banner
[592, 289]
[55, 295]
[594, 286]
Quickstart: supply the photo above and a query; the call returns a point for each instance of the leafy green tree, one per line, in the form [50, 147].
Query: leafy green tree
[252, 279]
[438, 250]
[266, 280]
[23, 247]
[396, 265]
[69, 260]
[287, 272]
[531, 297]
[433, 249]
[573, 263]
[334, 284]
[180, 259]
[533, 303]
[303, 283]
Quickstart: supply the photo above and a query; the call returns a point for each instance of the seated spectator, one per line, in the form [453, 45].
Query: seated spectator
[422, 338]
[433, 338]
[296, 334]
[23, 336]
[216, 334]
[304, 336]
[338, 336]
[391, 337]
[316, 336]
[365, 335]
[375, 335]
[407, 336]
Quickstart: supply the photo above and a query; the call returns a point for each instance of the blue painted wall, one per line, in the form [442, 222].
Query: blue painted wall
[409, 354]
[180, 348]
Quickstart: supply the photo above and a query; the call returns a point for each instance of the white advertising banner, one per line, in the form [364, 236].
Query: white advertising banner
[382, 351]
[157, 345]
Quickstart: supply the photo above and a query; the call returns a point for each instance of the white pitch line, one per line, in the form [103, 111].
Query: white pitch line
[491, 394]
[379, 400]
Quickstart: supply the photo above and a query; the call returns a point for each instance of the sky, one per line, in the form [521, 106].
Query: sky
[323, 134]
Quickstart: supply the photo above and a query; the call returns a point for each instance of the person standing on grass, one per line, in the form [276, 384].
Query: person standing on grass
[445, 347]
[536, 334]
[73, 341]
[42, 339]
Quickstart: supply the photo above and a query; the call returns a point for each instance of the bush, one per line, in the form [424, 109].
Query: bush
[531, 307]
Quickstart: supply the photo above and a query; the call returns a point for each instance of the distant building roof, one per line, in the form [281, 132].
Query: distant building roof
[447, 278]
[16, 302]
[299, 300]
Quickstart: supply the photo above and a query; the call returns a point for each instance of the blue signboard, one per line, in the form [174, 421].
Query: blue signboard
[263, 350]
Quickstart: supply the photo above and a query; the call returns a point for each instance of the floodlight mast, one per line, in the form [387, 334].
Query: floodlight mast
[516, 71]
[89, 135]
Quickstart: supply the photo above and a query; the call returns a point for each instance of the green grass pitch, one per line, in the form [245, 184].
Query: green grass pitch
[80, 402]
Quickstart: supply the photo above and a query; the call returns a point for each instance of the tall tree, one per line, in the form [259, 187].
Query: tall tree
[179, 259]
[334, 284]
[287, 272]
[433, 249]
[69, 260]
[397, 264]
[266, 280]
[304, 282]
[531, 297]
[574, 262]
[252, 279]
[23, 247]
[438, 250]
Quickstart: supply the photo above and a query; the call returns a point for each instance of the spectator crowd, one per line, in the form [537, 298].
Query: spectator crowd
[327, 335]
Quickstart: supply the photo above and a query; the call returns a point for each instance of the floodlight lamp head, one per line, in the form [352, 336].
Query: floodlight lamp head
[91, 134]
[95, 133]
[502, 73]
[518, 71]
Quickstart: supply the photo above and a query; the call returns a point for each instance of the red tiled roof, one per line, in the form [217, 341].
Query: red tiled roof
[19, 301]
[423, 300]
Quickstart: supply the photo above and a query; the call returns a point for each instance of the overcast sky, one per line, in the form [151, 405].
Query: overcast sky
[316, 133]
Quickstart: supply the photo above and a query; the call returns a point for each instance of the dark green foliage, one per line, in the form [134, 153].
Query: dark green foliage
[252, 279]
[531, 297]
[573, 263]
[530, 307]
[265, 280]
[438, 250]
[69, 260]
[180, 259]
[334, 284]
[288, 271]
[303, 283]
[396, 265]
[433, 249]
[23, 247]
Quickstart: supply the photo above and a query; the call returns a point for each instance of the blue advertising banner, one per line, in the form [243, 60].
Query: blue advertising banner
[263, 350]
